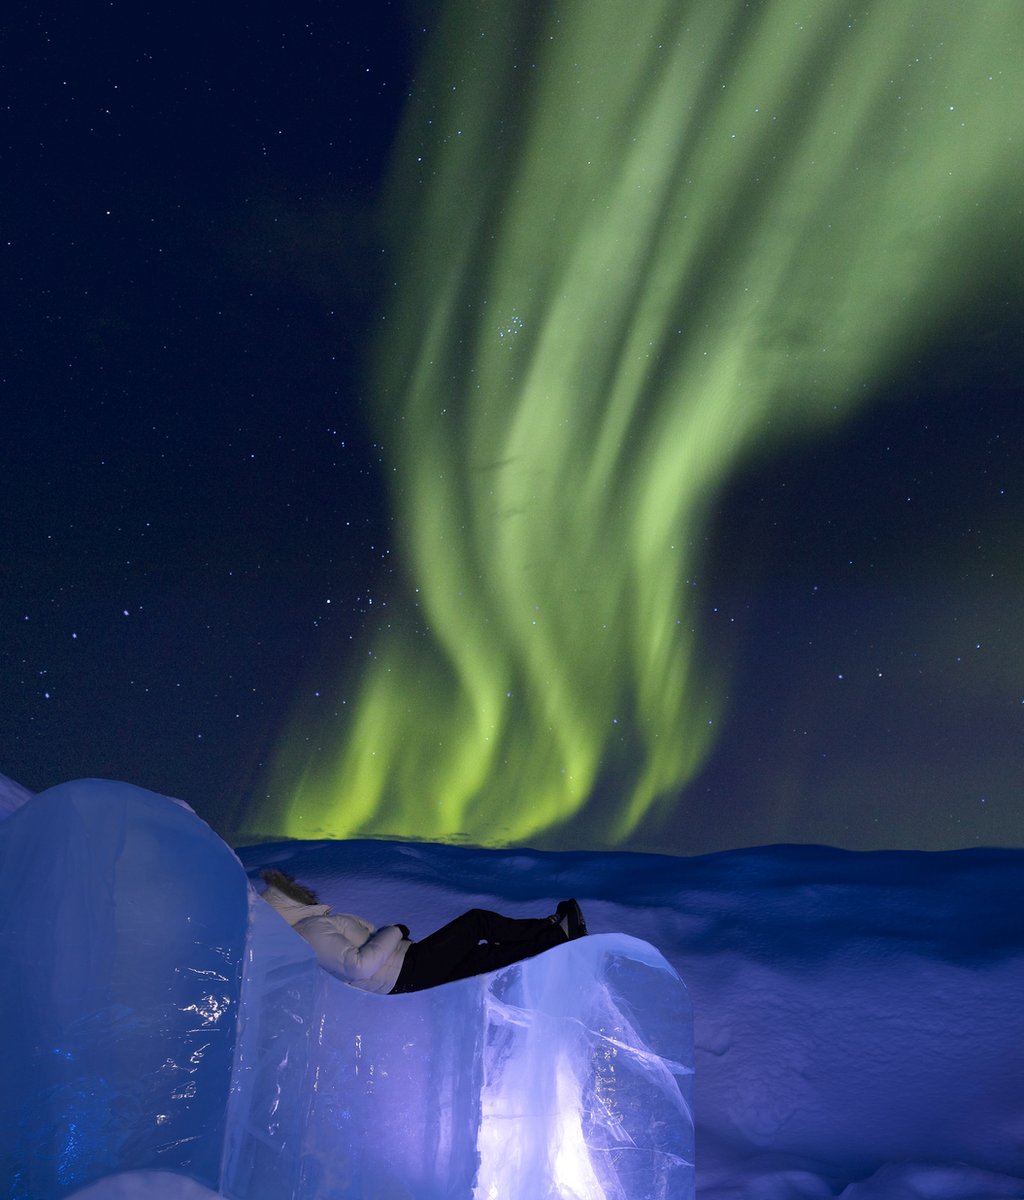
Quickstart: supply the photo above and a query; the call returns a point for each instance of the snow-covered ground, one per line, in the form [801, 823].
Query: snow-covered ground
[859, 1018]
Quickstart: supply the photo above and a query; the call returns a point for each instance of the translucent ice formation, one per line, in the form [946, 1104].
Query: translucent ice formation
[168, 1035]
[12, 796]
[123, 920]
[565, 1076]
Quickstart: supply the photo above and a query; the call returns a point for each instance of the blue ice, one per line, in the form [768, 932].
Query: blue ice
[166, 1034]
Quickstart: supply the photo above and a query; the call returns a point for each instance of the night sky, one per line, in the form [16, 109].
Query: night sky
[198, 541]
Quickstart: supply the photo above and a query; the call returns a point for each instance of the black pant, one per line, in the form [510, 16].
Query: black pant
[477, 942]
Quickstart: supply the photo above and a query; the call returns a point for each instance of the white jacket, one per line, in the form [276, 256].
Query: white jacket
[350, 948]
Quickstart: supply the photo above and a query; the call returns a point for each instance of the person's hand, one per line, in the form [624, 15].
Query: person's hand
[405, 931]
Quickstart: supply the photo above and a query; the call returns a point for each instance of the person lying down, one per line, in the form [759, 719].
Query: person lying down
[388, 961]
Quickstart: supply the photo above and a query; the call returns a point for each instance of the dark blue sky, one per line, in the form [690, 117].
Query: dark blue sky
[194, 268]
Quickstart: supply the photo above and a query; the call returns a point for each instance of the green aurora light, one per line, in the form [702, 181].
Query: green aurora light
[640, 244]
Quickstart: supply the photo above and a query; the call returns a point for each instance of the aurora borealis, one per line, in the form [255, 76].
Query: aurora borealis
[523, 423]
[641, 248]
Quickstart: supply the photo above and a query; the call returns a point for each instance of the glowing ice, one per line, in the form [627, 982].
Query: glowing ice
[586, 1088]
[565, 1076]
[166, 1020]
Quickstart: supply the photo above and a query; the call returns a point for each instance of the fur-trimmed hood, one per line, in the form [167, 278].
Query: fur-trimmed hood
[292, 910]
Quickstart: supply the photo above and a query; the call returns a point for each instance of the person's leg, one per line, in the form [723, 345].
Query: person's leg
[455, 951]
[498, 929]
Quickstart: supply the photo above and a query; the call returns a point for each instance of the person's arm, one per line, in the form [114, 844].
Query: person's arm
[335, 940]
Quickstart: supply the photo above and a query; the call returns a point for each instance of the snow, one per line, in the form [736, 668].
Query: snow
[857, 1016]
